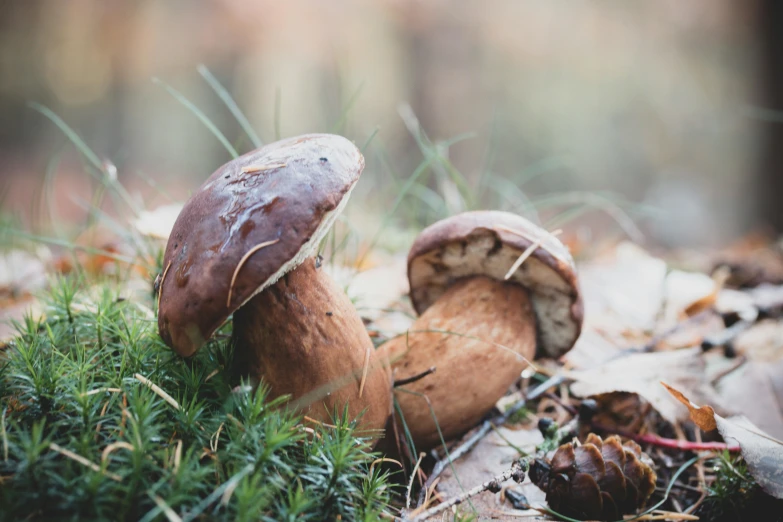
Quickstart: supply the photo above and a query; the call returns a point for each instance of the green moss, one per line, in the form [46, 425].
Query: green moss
[68, 387]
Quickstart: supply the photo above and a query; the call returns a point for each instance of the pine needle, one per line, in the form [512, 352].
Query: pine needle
[158, 391]
[84, 462]
[242, 263]
[366, 369]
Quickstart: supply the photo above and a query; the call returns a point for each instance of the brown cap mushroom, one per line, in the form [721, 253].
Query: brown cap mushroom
[478, 327]
[244, 243]
[488, 243]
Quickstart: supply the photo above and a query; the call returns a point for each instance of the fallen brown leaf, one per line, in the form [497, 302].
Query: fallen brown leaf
[703, 416]
[641, 373]
[762, 452]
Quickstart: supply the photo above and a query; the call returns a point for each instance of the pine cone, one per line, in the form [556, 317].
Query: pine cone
[599, 480]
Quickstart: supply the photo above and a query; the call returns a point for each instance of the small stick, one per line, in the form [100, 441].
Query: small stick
[414, 378]
[158, 391]
[250, 169]
[242, 262]
[516, 471]
[485, 428]
[84, 462]
[724, 337]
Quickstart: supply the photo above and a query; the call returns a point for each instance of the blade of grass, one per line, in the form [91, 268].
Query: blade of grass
[443, 167]
[73, 247]
[78, 142]
[232, 106]
[541, 167]
[278, 109]
[421, 169]
[102, 175]
[198, 114]
[348, 106]
[599, 201]
[48, 195]
[369, 139]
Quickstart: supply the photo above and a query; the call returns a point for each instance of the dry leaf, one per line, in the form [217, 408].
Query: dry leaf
[708, 301]
[21, 273]
[159, 222]
[756, 390]
[762, 452]
[641, 373]
[623, 292]
[703, 416]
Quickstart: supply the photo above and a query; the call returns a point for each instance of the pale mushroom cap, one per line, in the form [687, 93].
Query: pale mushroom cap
[488, 243]
[288, 192]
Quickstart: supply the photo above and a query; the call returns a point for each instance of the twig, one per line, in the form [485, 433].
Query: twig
[655, 440]
[414, 378]
[741, 360]
[516, 471]
[158, 391]
[724, 337]
[241, 264]
[485, 428]
[84, 462]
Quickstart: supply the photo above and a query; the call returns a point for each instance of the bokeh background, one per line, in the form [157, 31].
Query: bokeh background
[590, 113]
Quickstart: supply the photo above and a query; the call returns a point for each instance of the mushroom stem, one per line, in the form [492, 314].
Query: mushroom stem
[303, 338]
[479, 334]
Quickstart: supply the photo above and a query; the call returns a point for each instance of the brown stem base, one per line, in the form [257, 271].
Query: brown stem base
[479, 335]
[303, 338]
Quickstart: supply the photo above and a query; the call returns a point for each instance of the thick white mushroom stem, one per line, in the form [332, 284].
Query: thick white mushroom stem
[480, 334]
[302, 337]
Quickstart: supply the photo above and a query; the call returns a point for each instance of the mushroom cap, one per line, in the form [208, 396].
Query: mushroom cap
[488, 243]
[288, 192]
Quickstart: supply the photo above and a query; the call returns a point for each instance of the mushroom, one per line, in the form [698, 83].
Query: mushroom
[483, 317]
[244, 244]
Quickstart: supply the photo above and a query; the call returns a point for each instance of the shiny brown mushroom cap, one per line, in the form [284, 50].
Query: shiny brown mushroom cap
[488, 243]
[256, 218]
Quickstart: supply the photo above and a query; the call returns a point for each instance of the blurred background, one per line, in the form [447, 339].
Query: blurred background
[600, 117]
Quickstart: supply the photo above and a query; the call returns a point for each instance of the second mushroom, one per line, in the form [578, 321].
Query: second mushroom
[483, 317]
